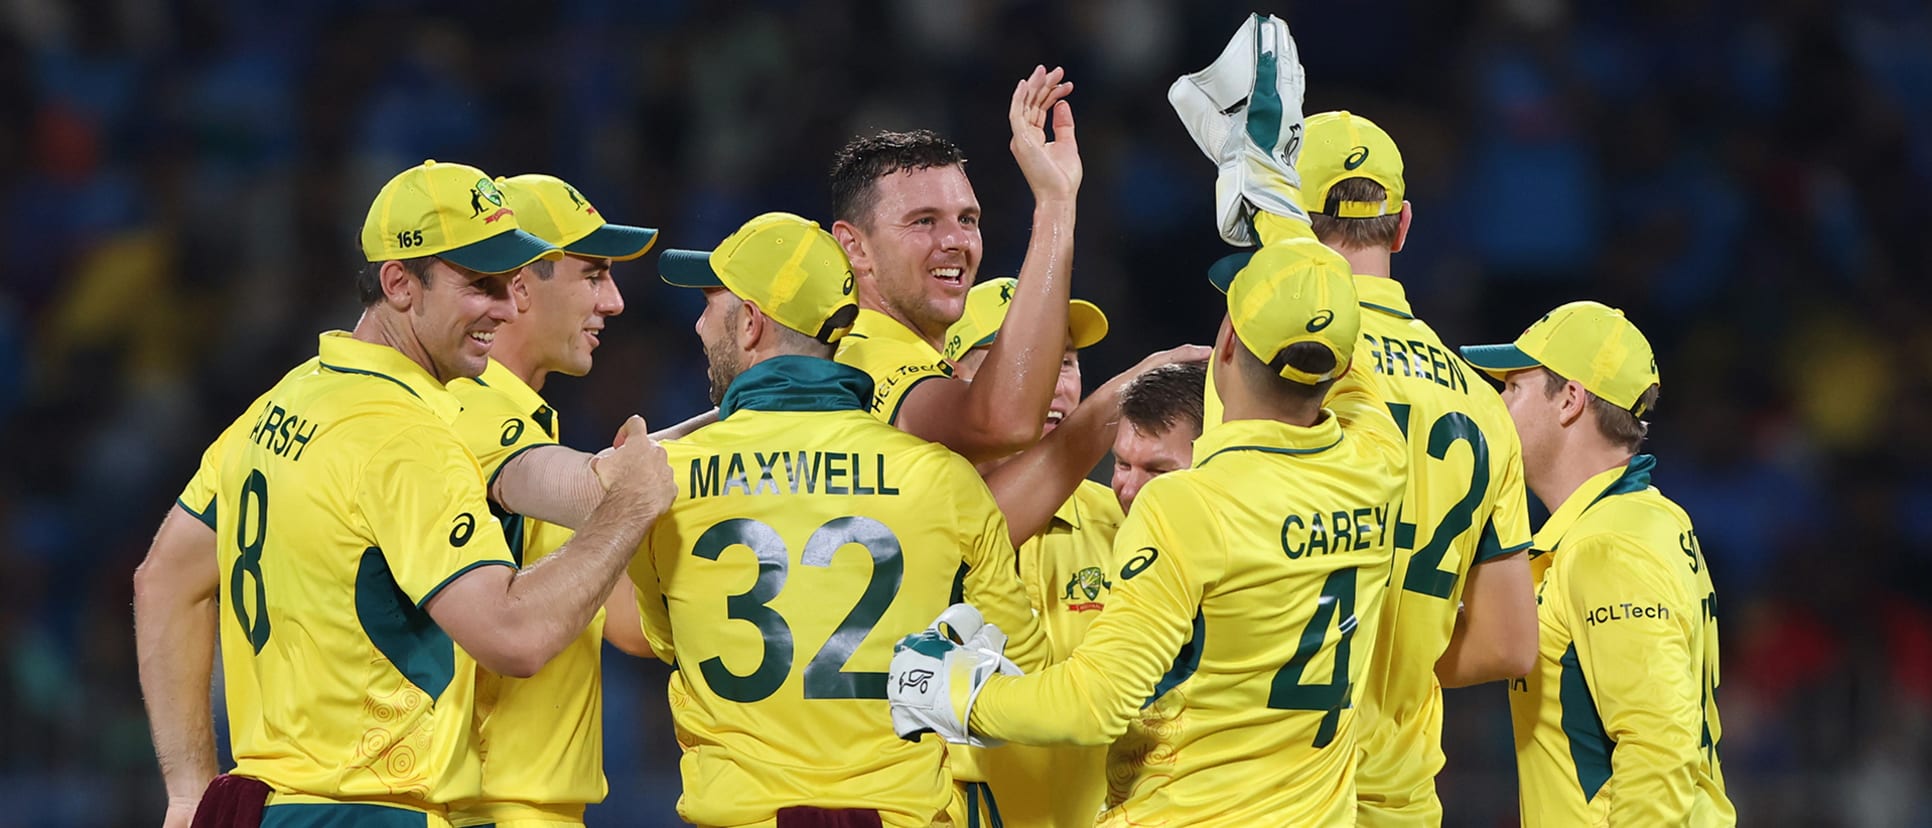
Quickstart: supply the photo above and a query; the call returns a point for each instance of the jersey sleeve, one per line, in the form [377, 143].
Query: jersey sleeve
[894, 370]
[990, 574]
[1506, 531]
[422, 498]
[198, 498]
[1166, 554]
[1633, 642]
[652, 611]
[493, 429]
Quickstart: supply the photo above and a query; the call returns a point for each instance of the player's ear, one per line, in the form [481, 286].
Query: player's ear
[520, 290]
[753, 326]
[400, 288]
[1402, 228]
[852, 241]
[1225, 343]
[1575, 400]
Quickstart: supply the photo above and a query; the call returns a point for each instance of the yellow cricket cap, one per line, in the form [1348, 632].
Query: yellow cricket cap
[453, 212]
[554, 211]
[791, 268]
[1589, 342]
[1289, 292]
[1336, 146]
[986, 306]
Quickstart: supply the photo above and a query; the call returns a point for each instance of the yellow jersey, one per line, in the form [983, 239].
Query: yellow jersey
[541, 738]
[1617, 724]
[807, 538]
[1245, 594]
[1465, 505]
[342, 502]
[894, 356]
[1067, 570]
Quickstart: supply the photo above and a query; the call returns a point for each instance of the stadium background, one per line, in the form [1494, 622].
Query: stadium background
[181, 183]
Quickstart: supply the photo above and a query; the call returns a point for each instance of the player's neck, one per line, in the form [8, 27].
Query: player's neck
[379, 328]
[1367, 261]
[1239, 406]
[873, 303]
[1575, 466]
[518, 355]
[524, 367]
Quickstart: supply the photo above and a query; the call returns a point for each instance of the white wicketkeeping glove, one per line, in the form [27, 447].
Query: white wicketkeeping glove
[936, 675]
[1244, 112]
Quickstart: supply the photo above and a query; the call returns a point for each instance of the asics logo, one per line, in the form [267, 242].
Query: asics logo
[1321, 321]
[1356, 158]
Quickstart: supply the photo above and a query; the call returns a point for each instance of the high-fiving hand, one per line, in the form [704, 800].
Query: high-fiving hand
[1052, 168]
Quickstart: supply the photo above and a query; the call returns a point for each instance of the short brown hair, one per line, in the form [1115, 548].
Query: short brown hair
[859, 166]
[1617, 425]
[369, 278]
[1355, 233]
[1166, 398]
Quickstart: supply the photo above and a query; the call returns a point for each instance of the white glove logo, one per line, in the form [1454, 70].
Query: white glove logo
[919, 679]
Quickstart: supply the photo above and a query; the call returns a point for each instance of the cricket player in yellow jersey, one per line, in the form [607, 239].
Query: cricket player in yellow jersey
[1464, 528]
[909, 223]
[541, 738]
[808, 536]
[344, 528]
[1246, 589]
[1064, 568]
[1617, 724]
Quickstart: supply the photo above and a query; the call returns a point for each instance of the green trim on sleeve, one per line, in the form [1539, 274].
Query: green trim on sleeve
[206, 515]
[1489, 546]
[432, 593]
[893, 420]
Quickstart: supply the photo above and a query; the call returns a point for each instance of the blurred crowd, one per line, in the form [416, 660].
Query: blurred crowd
[181, 183]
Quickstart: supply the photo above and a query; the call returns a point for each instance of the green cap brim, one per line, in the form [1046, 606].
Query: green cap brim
[616, 242]
[500, 253]
[1497, 360]
[688, 269]
[1221, 274]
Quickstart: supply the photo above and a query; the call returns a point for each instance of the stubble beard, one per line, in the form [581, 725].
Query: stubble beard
[722, 366]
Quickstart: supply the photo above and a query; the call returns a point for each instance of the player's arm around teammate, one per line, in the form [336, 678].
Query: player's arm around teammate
[1031, 485]
[912, 236]
[512, 622]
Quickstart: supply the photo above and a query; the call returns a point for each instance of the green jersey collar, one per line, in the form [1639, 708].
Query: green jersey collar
[1270, 436]
[344, 354]
[1381, 294]
[1626, 479]
[797, 383]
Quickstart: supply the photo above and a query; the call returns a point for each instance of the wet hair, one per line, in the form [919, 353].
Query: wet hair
[1166, 398]
[859, 166]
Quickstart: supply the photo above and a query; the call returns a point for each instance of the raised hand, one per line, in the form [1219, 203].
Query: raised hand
[1052, 168]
